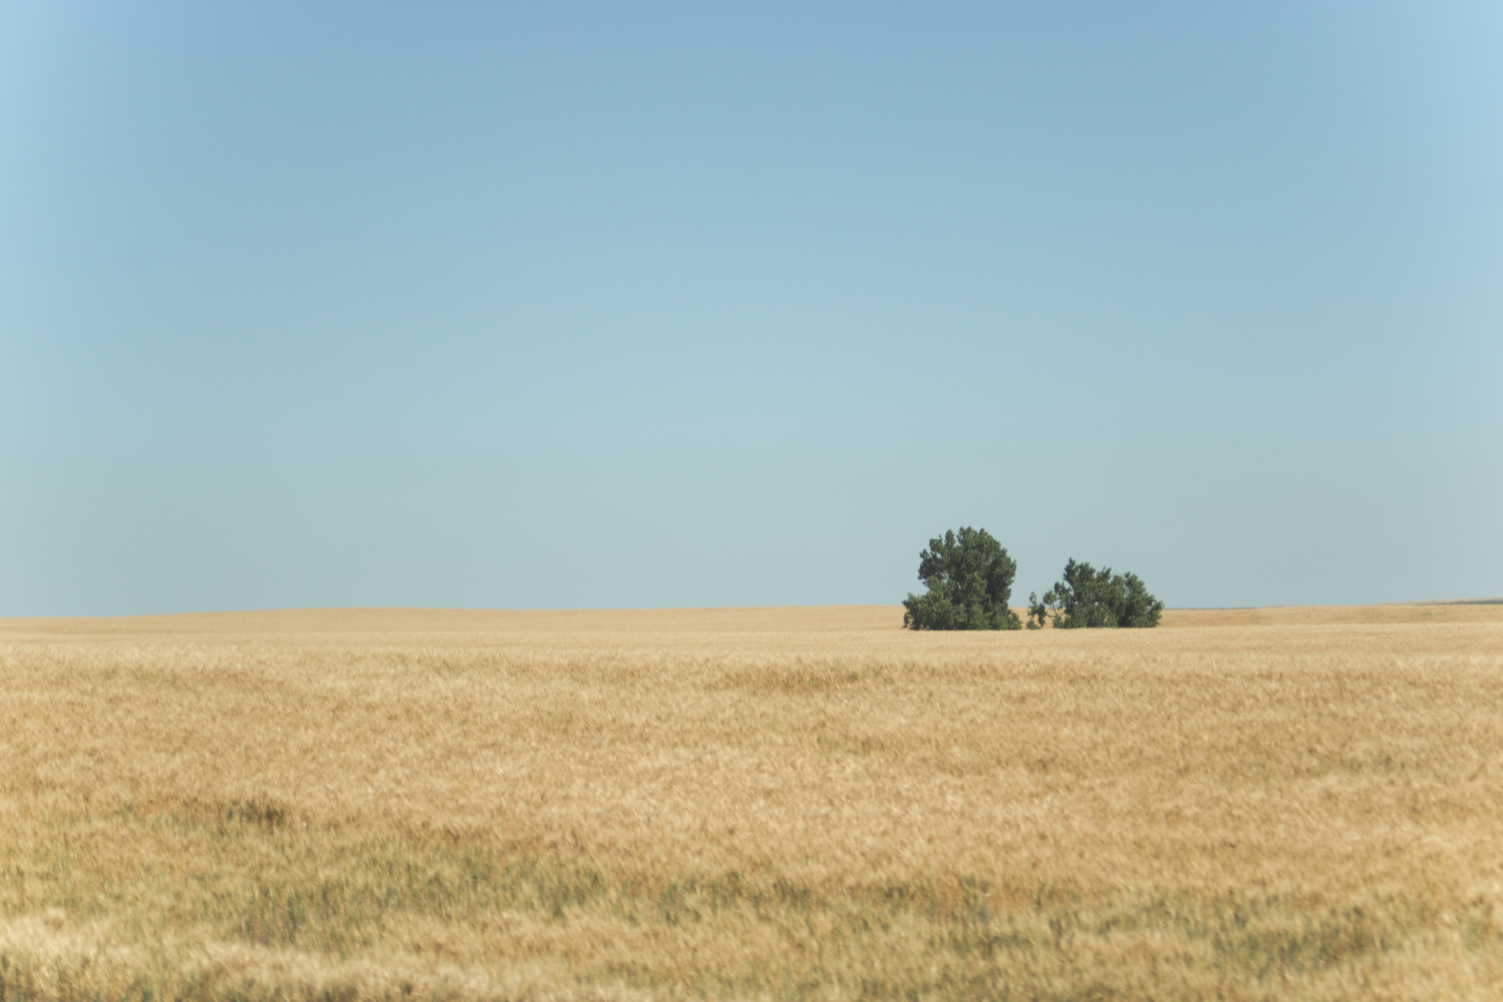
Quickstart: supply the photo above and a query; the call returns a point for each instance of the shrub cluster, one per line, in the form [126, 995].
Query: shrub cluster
[1091, 598]
[968, 580]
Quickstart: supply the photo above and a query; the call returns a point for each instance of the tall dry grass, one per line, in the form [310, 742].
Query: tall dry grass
[751, 804]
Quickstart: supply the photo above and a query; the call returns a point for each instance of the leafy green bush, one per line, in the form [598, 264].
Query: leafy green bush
[969, 579]
[1091, 598]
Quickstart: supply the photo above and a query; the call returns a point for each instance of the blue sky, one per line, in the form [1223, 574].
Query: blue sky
[688, 304]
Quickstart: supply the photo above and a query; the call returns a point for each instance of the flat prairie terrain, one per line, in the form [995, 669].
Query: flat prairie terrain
[751, 804]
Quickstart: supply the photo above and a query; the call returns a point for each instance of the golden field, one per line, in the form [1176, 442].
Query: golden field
[758, 804]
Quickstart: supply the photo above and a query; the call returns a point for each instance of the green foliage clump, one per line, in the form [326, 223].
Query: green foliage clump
[1091, 598]
[969, 579]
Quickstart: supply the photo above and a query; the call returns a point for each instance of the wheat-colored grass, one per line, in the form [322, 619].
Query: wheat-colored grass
[776, 803]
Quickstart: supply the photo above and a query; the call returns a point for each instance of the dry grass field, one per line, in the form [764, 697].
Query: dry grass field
[757, 804]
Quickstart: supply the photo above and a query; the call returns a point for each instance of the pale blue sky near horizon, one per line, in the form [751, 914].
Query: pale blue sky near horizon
[512, 305]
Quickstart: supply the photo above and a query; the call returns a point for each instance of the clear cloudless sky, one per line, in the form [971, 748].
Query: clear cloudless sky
[694, 304]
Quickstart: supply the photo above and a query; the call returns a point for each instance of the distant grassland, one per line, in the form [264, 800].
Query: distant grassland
[780, 804]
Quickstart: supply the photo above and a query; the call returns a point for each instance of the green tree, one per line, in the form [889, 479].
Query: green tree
[1091, 598]
[969, 579]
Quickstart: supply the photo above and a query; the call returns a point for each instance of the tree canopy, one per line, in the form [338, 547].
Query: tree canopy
[1091, 598]
[969, 580]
